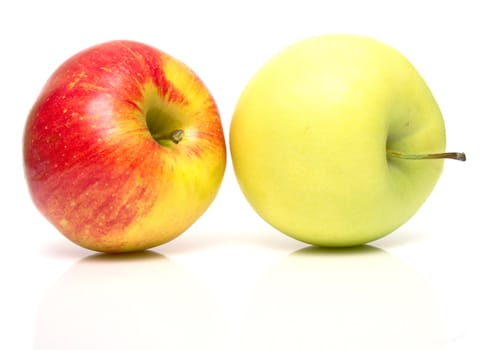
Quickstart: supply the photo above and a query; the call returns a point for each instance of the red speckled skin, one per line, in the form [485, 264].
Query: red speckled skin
[92, 167]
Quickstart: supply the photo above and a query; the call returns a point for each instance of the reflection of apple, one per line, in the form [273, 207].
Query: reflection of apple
[139, 301]
[322, 135]
[124, 148]
[356, 298]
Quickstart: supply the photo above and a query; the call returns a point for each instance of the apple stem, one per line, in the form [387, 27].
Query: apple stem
[174, 136]
[177, 135]
[450, 155]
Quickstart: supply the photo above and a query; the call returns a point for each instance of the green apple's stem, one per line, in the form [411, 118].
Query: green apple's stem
[450, 155]
[175, 136]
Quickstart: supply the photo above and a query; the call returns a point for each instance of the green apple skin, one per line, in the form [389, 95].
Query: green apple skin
[310, 135]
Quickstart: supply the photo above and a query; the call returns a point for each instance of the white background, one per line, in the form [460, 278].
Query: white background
[231, 281]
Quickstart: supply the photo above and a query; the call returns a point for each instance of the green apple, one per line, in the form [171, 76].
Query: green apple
[337, 140]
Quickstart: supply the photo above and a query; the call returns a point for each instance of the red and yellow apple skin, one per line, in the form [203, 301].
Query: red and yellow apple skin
[100, 156]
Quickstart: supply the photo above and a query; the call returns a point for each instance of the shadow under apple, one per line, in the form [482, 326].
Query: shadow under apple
[128, 301]
[352, 298]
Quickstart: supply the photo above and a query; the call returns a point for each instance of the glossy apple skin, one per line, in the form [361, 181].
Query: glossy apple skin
[91, 164]
[310, 134]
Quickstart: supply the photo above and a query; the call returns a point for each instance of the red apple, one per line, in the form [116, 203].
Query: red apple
[124, 148]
